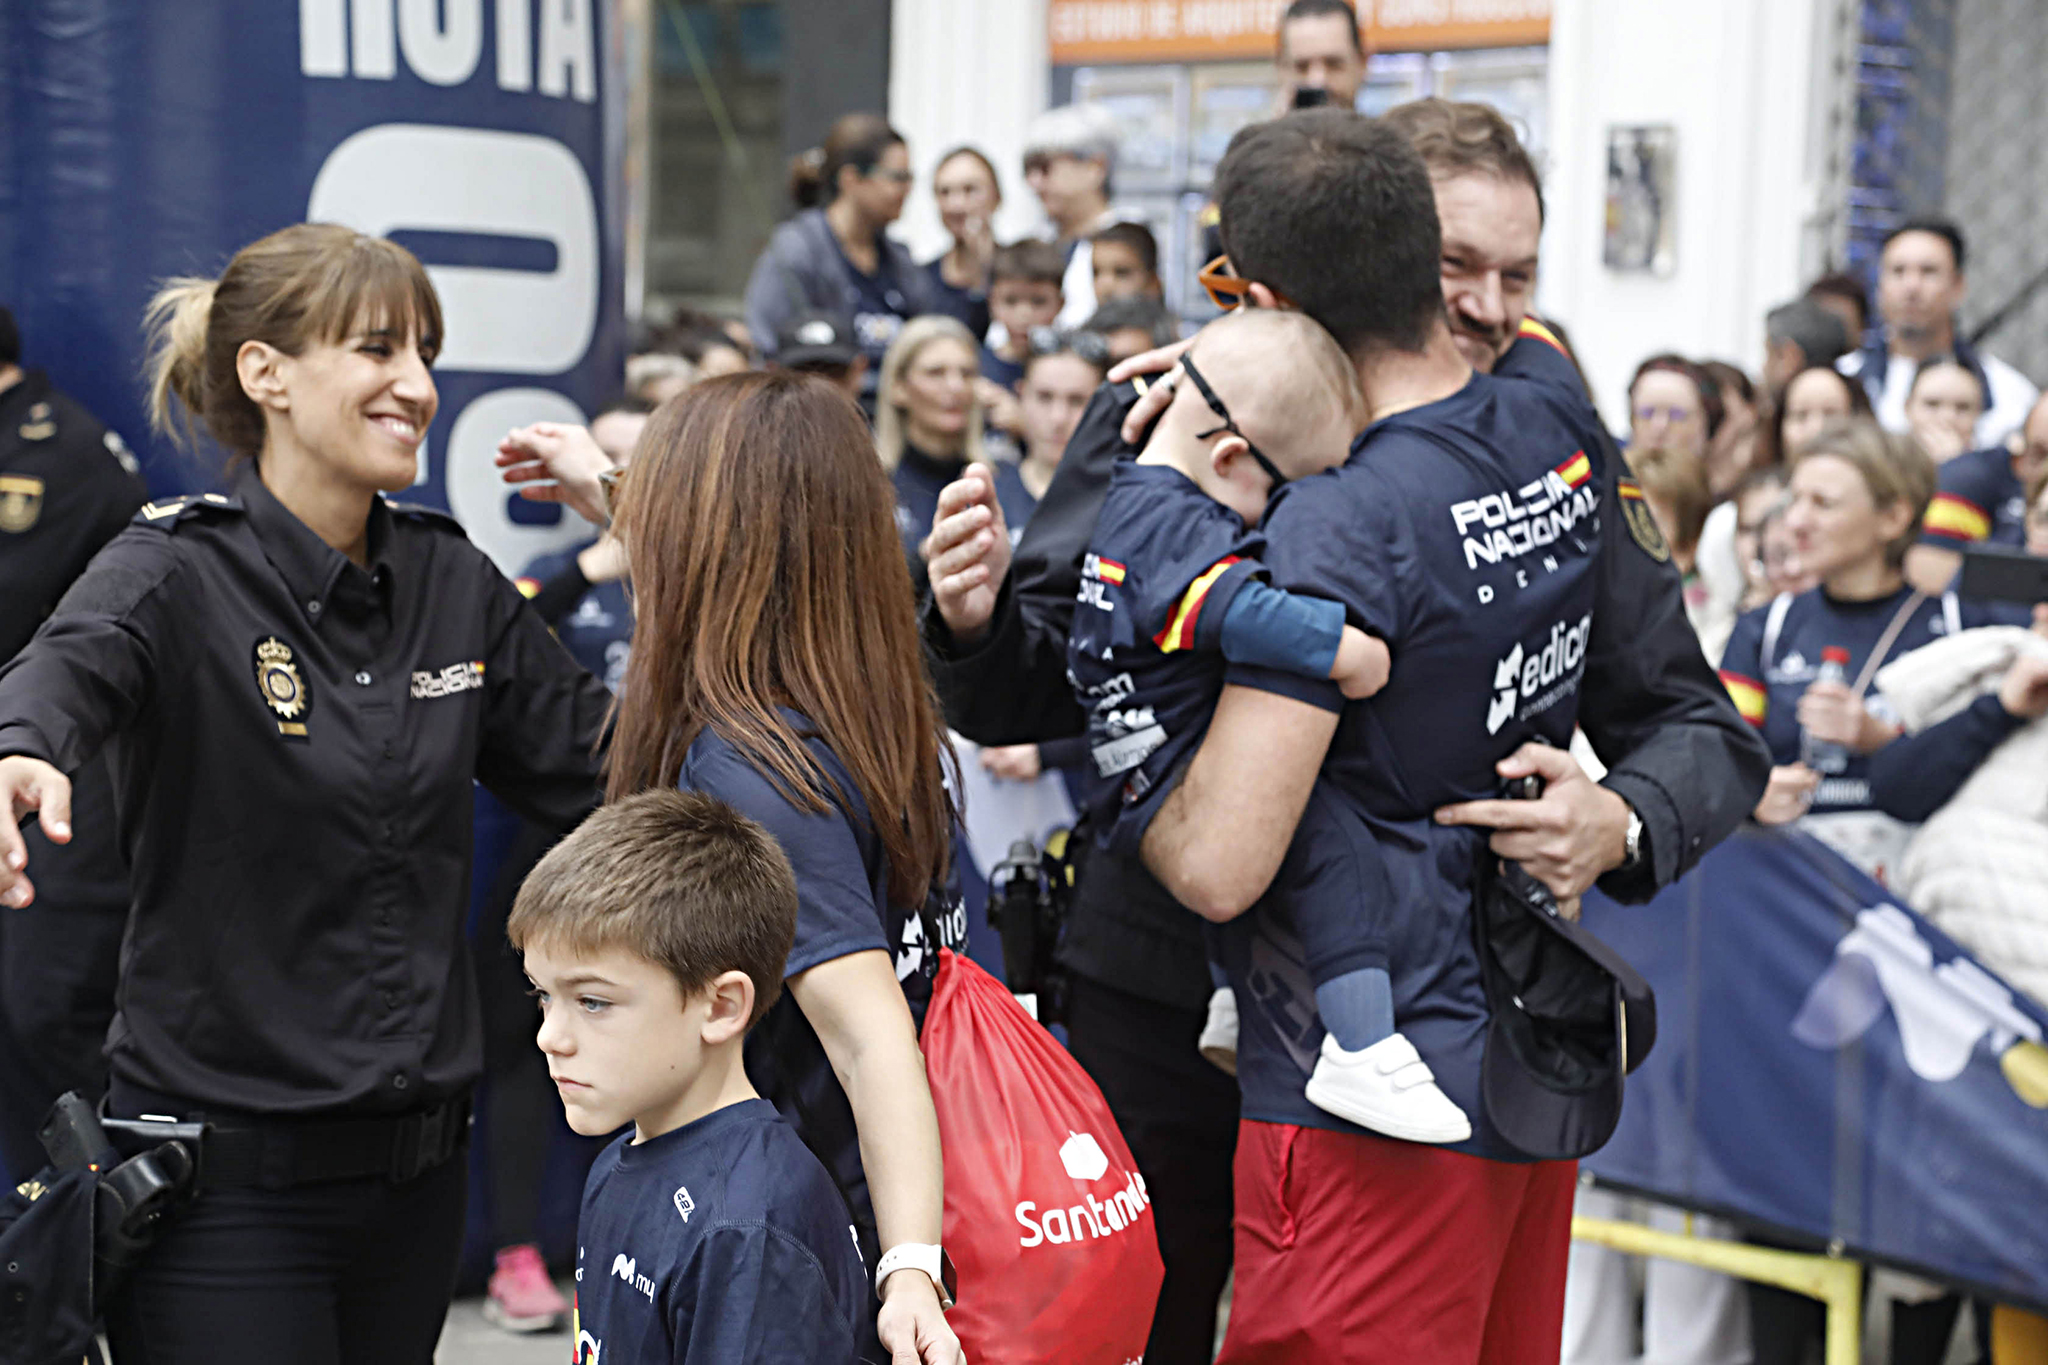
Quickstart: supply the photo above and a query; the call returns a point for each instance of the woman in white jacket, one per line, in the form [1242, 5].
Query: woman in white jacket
[1978, 868]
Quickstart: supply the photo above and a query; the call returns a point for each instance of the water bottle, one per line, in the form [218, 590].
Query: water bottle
[1822, 755]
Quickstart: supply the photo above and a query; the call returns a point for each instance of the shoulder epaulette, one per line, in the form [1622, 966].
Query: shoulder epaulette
[169, 512]
[433, 516]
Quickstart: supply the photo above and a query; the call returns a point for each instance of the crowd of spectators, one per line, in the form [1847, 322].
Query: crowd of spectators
[1825, 506]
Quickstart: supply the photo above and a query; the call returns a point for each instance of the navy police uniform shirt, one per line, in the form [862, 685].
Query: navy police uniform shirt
[1467, 533]
[597, 629]
[721, 1243]
[843, 907]
[1144, 656]
[294, 741]
[1774, 655]
[67, 486]
[1978, 499]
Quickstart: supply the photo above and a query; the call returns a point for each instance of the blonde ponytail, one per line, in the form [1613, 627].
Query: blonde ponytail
[176, 321]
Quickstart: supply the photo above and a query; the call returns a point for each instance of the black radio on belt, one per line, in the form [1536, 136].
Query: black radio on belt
[147, 1169]
[1027, 905]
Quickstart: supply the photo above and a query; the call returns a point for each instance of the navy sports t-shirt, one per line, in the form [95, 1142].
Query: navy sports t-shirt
[1001, 369]
[1466, 533]
[1766, 672]
[1143, 655]
[1978, 499]
[598, 631]
[843, 907]
[722, 1242]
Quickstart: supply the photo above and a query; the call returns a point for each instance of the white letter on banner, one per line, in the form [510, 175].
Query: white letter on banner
[515, 44]
[477, 496]
[442, 38]
[568, 48]
[323, 38]
[401, 176]
[376, 46]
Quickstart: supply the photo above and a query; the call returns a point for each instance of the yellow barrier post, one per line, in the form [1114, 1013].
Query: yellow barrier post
[1836, 1282]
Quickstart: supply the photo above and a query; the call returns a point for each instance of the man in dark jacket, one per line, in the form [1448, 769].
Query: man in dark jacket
[1683, 765]
[67, 485]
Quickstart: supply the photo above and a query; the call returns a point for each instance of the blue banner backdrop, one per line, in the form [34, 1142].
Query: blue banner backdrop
[1830, 1065]
[140, 140]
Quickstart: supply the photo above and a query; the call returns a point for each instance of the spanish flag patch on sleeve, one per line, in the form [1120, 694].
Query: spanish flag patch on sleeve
[1956, 518]
[1747, 694]
[528, 587]
[1180, 628]
[1576, 470]
[1533, 328]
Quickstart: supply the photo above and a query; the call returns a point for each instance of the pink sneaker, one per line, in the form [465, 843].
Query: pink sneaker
[522, 1297]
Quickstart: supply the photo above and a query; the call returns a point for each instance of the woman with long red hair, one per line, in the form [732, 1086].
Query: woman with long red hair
[776, 665]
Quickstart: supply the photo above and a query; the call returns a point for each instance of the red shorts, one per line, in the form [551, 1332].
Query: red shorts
[1365, 1251]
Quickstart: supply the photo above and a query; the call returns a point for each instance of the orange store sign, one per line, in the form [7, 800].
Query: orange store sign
[1232, 30]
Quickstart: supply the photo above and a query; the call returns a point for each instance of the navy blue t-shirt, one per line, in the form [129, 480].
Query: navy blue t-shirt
[598, 631]
[1766, 676]
[1143, 653]
[843, 907]
[1017, 501]
[968, 305]
[1003, 371]
[722, 1242]
[1978, 499]
[1465, 533]
[879, 304]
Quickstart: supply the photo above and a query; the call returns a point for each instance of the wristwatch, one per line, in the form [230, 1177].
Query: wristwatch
[932, 1260]
[1632, 847]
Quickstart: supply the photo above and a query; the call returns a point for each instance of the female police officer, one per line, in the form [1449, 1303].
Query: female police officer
[297, 682]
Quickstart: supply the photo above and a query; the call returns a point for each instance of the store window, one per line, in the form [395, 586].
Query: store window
[709, 143]
[1179, 116]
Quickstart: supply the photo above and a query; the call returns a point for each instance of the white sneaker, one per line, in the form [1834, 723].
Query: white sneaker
[1219, 1035]
[1388, 1088]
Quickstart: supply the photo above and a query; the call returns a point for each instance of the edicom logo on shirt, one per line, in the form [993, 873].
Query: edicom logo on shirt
[1518, 677]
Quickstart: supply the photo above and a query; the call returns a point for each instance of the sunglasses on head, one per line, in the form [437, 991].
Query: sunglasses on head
[1226, 288]
[1090, 346]
[1187, 365]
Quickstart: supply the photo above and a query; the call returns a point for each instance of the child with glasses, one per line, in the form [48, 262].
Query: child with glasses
[1172, 596]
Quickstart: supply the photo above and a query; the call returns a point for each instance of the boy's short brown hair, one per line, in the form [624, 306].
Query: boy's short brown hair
[1033, 262]
[675, 877]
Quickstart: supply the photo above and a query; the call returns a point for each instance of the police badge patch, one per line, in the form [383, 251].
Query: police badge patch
[41, 424]
[283, 689]
[21, 502]
[1642, 526]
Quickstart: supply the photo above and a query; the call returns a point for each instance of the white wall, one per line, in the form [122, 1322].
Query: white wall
[974, 72]
[1737, 78]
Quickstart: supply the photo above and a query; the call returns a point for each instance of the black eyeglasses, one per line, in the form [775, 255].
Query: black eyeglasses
[1187, 365]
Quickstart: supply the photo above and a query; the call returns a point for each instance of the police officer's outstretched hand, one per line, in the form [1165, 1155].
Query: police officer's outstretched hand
[1575, 831]
[967, 555]
[29, 784]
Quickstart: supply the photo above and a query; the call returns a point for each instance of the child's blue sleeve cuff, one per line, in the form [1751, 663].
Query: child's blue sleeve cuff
[1266, 627]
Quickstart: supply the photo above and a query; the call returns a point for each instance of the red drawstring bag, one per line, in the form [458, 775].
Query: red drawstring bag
[1047, 1218]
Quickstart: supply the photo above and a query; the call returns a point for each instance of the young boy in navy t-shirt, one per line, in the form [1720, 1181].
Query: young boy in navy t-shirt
[1173, 592]
[655, 937]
